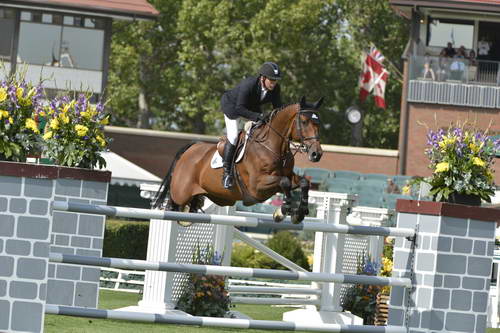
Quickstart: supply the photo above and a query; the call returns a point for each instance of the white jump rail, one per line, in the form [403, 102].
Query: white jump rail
[227, 271]
[242, 221]
[217, 322]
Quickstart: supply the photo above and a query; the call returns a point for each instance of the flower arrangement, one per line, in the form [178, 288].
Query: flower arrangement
[461, 159]
[74, 132]
[205, 295]
[19, 133]
[361, 299]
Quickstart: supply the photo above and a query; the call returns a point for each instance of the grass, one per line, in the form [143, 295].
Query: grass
[113, 300]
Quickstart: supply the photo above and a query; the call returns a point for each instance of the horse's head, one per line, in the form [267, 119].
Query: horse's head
[307, 128]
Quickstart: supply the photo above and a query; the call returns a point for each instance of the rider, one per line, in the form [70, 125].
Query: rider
[244, 101]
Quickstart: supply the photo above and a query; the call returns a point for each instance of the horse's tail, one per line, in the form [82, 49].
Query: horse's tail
[164, 189]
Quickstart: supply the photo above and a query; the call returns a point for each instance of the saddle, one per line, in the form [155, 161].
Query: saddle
[243, 136]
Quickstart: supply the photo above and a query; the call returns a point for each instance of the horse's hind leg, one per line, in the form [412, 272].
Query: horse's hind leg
[286, 208]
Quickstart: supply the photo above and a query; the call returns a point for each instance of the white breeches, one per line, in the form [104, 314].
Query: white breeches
[232, 129]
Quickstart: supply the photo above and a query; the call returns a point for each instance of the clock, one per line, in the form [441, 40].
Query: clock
[353, 115]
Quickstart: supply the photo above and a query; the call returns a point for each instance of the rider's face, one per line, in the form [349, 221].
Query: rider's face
[268, 83]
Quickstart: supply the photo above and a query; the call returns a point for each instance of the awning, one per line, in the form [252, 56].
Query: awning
[122, 9]
[124, 172]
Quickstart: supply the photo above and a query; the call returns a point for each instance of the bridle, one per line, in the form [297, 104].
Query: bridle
[303, 146]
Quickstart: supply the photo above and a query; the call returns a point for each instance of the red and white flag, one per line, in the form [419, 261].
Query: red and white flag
[373, 77]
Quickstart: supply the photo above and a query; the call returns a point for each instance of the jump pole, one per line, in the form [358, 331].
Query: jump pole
[217, 322]
[227, 271]
[242, 221]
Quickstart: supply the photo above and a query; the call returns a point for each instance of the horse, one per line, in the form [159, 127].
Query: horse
[265, 169]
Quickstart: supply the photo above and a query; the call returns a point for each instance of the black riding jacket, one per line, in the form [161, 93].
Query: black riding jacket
[244, 99]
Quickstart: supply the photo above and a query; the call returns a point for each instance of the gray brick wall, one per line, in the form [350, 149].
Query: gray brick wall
[451, 275]
[80, 234]
[25, 226]
[29, 231]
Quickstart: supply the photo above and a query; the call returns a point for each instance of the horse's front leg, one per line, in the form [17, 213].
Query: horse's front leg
[304, 199]
[299, 213]
[286, 207]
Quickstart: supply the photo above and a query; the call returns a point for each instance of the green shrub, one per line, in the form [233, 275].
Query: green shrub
[125, 239]
[205, 295]
[283, 242]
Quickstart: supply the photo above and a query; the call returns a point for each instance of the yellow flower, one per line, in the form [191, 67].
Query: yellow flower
[105, 121]
[11, 120]
[31, 93]
[54, 124]
[474, 148]
[101, 140]
[47, 135]
[446, 142]
[442, 167]
[19, 92]
[4, 114]
[32, 125]
[479, 162]
[42, 113]
[3, 94]
[64, 117]
[406, 190]
[81, 130]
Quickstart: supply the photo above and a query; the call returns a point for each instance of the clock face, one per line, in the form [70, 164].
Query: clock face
[353, 115]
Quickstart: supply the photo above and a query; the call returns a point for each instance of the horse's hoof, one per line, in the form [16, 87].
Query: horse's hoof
[184, 223]
[278, 215]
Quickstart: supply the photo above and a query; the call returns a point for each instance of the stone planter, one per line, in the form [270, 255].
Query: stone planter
[451, 268]
[29, 232]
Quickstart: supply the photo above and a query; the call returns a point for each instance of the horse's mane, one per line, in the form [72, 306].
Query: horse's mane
[277, 110]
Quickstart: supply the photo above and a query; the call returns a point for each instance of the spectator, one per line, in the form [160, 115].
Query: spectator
[428, 71]
[472, 58]
[449, 51]
[392, 187]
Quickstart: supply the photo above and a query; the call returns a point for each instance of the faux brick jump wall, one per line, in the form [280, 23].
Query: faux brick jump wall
[28, 232]
[451, 268]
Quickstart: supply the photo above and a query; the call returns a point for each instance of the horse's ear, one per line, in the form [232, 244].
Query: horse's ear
[319, 102]
[303, 101]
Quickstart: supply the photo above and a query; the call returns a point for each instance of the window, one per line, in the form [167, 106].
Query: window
[63, 41]
[442, 31]
[7, 25]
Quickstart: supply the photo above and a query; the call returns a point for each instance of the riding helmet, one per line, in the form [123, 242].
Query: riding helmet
[270, 70]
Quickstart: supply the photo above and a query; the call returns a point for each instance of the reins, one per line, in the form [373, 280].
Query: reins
[303, 147]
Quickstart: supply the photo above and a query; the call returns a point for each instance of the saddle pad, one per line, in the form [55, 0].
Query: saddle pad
[217, 161]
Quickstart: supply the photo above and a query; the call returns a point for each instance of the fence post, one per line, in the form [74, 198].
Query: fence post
[450, 267]
[328, 254]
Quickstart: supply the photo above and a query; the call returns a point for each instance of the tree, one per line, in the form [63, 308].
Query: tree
[204, 47]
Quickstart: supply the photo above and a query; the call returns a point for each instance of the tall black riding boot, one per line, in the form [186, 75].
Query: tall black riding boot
[227, 177]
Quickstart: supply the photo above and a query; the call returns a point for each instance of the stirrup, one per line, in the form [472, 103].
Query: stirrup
[227, 181]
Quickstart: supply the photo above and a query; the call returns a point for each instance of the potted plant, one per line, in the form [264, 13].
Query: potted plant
[461, 160]
[74, 134]
[20, 104]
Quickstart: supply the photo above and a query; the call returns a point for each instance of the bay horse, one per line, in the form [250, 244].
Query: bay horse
[265, 169]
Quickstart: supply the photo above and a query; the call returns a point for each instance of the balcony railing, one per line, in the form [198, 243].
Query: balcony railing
[454, 81]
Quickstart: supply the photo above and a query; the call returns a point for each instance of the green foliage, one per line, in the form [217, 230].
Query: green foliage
[205, 295]
[20, 104]
[180, 66]
[126, 239]
[361, 299]
[283, 242]
[74, 134]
